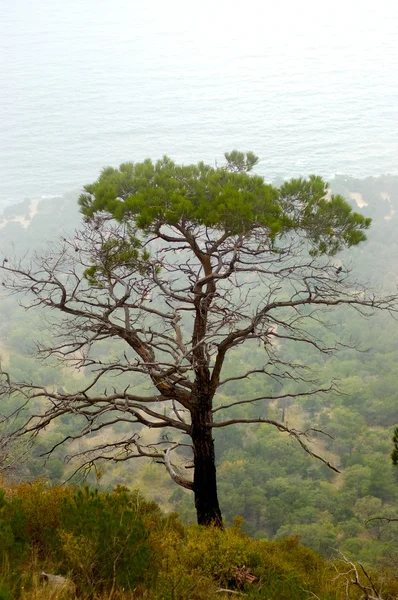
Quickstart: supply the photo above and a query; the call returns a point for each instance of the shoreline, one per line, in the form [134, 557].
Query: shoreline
[25, 222]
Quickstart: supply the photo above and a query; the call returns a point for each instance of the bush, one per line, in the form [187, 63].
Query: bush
[282, 569]
[103, 543]
[14, 546]
[41, 505]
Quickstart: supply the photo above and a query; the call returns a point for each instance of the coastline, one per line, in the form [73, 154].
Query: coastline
[22, 220]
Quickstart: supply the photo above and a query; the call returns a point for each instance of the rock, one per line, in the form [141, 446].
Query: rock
[57, 581]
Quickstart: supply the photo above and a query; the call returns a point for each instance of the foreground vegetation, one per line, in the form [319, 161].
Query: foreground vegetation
[117, 545]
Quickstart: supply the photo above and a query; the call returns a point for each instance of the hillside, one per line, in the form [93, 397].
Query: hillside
[263, 476]
[60, 542]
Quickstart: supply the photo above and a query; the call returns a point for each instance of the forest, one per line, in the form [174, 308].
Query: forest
[269, 488]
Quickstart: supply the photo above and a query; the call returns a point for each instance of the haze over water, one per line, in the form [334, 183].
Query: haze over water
[89, 83]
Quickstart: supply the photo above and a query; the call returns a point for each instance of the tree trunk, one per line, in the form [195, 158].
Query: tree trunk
[205, 479]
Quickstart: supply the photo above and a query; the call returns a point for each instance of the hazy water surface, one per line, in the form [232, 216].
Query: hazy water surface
[87, 83]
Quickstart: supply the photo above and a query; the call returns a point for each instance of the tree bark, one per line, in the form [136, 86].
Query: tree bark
[205, 478]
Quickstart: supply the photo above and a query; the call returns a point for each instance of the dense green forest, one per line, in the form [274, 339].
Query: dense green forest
[264, 476]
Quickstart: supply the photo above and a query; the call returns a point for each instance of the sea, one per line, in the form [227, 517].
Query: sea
[309, 86]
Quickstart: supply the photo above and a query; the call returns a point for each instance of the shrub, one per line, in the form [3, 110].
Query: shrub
[14, 545]
[102, 540]
[41, 505]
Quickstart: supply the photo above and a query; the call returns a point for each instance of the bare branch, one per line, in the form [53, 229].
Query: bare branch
[330, 388]
[297, 435]
[352, 578]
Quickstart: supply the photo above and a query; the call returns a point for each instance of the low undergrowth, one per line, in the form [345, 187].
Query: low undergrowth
[117, 545]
